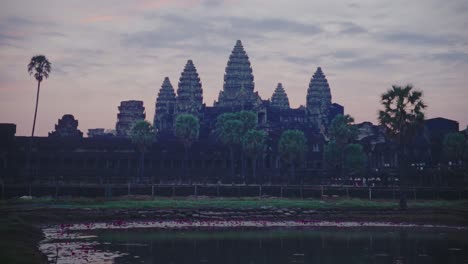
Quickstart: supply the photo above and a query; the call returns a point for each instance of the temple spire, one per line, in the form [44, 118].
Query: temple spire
[164, 107]
[190, 92]
[279, 99]
[238, 77]
[319, 98]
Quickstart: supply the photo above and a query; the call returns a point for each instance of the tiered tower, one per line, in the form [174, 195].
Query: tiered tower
[129, 113]
[165, 104]
[190, 93]
[238, 89]
[279, 99]
[67, 126]
[319, 100]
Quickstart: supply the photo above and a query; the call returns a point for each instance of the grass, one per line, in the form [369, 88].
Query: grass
[18, 241]
[231, 203]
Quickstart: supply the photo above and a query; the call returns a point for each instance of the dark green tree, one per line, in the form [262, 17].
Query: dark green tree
[249, 122]
[342, 132]
[40, 67]
[142, 136]
[354, 159]
[229, 132]
[402, 116]
[253, 143]
[454, 147]
[292, 147]
[332, 156]
[231, 128]
[187, 129]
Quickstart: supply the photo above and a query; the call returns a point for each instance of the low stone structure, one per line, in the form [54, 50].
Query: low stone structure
[67, 126]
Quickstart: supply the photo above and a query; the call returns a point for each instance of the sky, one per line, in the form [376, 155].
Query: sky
[106, 51]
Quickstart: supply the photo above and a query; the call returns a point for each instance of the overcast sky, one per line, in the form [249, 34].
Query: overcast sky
[106, 51]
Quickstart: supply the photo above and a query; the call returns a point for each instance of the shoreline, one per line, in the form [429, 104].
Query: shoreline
[39, 215]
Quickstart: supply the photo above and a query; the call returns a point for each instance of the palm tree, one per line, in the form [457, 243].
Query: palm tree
[142, 135]
[342, 132]
[40, 67]
[253, 143]
[229, 132]
[187, 129]
[401, 117]
[292, 147]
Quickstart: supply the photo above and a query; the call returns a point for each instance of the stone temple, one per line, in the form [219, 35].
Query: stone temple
[238, 93]
[108, 157]
[129, 113]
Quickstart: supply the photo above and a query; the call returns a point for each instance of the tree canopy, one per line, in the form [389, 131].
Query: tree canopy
[40, 67]
[292, 145]
[454, 146]
[342, 130]
[354, 158]
[187, 129]
[403, 112]
[253, 143]
[142, 135]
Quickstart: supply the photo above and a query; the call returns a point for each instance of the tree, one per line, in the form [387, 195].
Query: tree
[342, 132]
[332, 156]
[454, 146]
[248, 119]
[229, 132]
[354, 159]
[187, 129]
[342, 129]
[292, 147]
[402, 116]
[231, 128]
[249, 122]
[253, 143]
[40, 67]
[142, 135]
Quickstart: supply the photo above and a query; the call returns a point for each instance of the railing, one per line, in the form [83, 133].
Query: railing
[230, 190]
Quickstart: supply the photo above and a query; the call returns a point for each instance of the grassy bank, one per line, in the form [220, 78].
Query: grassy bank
[228, 203]
[18, 241]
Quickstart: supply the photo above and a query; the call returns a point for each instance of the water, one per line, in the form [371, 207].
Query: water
[285, 245]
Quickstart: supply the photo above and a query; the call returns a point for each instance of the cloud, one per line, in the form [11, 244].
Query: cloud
[9, 39]
[175, 31]
[351, 28]
[452, 57]
[159, 4]
[420, 39]
[96, 19]
[14, 30]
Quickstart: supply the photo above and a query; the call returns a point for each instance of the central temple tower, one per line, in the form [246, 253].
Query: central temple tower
[238, 89]
[319, 100]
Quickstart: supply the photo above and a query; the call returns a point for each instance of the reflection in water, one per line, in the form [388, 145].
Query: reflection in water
[354, 245]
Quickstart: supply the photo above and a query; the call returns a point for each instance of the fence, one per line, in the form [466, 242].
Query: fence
[229, 190]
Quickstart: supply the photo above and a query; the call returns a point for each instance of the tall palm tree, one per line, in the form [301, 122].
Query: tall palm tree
[40, 67]
[187, 129]
[253, 144]
[292, 147]
[402, 115]
[142, 135]
[342, 132]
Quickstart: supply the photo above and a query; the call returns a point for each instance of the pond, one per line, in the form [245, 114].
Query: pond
[249, 245]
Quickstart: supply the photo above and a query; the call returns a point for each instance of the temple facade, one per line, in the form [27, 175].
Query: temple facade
[238, 93]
